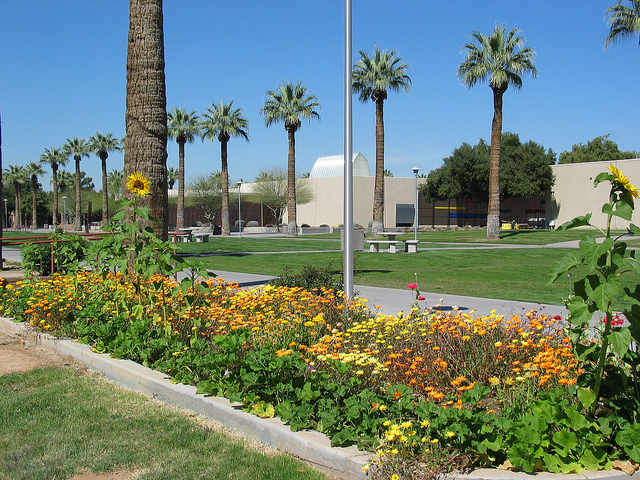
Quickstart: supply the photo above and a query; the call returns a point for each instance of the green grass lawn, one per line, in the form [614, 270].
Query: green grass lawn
[510, 274]
[57, 422]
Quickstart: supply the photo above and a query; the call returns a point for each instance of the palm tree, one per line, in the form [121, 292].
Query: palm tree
[288, 104]
[101, 145]
[77, 148]
[183, 127]
[624, 22]
[146, 109]
[33, 170]
[172, 177]
[222, 121]
[114, 179]
[372, 77]
[55, 158]
[17, 175]
[500, 58]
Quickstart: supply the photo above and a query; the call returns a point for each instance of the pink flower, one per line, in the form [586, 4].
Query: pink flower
[558, 317]
[412, 286]
[421, 298]
[616, 321]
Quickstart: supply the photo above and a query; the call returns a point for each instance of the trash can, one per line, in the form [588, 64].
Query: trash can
[358, 240]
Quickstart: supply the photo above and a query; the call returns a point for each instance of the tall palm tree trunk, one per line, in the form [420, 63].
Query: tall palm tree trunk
[146, 114]
[378, 189]
[78, 203]
[55, 195]
[493, 216]
[34, 201]
[18, 199]
[224, 179]
[180, 206]
[292, 227]
[105, 194]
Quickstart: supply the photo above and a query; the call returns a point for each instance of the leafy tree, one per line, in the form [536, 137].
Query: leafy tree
[146, 110]
[526, 171]
[101, 145]
[289, 104]
[77, 148]
[55, 158]
[183, 126]
[624, 22]
[205, 191]
[271, 189]
[372, 77]
[222, 121]
[33, 170]
[500, 58]
[597, 150]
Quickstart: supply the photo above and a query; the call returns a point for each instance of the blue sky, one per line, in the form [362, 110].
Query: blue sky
[62, 74]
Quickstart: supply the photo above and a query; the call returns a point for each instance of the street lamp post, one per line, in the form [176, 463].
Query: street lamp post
[239, 184]
[415, 205]
[64, 213]
[6, 219]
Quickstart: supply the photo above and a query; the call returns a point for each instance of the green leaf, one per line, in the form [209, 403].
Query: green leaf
[603, 177]
[622, 210]
[634, 229]
[629, 438]
[593, 458]
[586, 397]
[607, 292]
[565, 265]
[620, 340]
[565, 441]
[579, 311]
[581, 221]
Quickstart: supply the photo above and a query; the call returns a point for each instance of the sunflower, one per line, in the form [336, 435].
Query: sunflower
[138, 184]
[623, 182]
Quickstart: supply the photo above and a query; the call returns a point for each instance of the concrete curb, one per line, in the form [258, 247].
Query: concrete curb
[310, 446]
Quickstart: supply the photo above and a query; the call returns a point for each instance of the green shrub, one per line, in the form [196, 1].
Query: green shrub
[68, 250]
[310, 277]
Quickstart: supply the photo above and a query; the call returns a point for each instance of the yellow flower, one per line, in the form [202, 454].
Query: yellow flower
[450, 434]
[395, 477]
[138, 184]
[623, 181]
[425, 423]
[494, 381]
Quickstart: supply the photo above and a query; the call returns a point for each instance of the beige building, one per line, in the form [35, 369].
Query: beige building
[574, 194]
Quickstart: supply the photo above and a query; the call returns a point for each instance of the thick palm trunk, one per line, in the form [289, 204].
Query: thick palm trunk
[180, 206]
[55, 195]
[378, 189]
[105, 193]
[18, 199]
[146, 115]
[292, 227]
[78, 203]
[493, 216]
[224, 179]
[34, 201]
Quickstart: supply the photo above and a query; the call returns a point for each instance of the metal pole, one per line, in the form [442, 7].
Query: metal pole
[6, 219]
[415, 205]
[239, 183]
[348, 155]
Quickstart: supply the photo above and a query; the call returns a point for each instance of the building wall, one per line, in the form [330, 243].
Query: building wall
[574, 194]
[327, 208]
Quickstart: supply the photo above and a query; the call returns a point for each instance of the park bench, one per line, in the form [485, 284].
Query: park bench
[374, 245]
[201, 236]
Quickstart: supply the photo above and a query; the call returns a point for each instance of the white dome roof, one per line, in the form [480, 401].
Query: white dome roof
[333, 166]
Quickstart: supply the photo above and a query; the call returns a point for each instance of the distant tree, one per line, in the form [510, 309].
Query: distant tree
[388, 173]
[33, 171]
[205, 191]
[77, 148]
[183, 126]
[114, 179]
[600, 149]
[289, 104]
[101, 145]
[55, 158]
[271, 190]
[372, 78]
[172, 177]
[500, 58]
[526, 171]
[17, 176]
[222, 122]
[624, 22]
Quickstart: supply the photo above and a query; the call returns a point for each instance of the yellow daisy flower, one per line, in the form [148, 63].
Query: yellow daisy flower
[623, 181]
[138, 184]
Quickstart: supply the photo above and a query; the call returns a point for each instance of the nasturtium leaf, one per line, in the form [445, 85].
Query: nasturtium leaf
[586, 397]
[565, 441]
